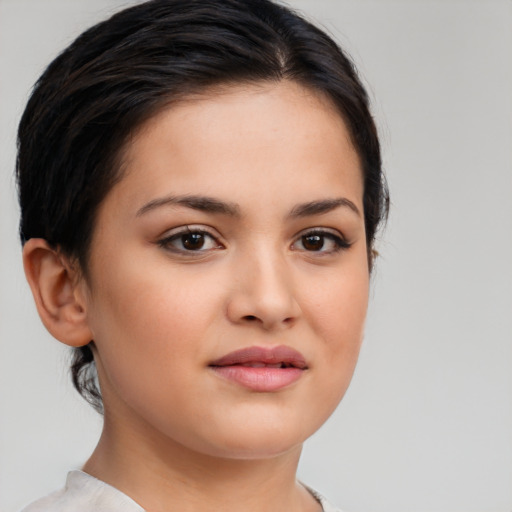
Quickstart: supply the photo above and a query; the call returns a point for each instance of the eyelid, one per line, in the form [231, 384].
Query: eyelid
[321, 229]
[190, 228]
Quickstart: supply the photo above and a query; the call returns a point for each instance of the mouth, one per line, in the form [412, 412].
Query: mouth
[261, 369]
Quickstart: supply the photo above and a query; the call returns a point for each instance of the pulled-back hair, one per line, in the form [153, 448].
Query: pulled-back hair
[121, 72]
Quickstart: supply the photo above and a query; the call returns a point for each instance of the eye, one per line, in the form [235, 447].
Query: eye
[320, 241]
[190, 239]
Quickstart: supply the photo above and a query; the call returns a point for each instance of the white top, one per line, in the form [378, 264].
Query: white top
[84, 493]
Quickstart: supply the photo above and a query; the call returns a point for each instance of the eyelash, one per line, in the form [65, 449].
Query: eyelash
[321, 235]
[179, 235]
[339, 242]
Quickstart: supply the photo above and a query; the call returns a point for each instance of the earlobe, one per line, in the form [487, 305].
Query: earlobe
[53, 282]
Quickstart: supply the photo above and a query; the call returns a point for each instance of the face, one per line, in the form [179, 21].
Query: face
[228, 277]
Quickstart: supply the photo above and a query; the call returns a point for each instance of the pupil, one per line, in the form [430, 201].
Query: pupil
[313, 242]
[193, 241]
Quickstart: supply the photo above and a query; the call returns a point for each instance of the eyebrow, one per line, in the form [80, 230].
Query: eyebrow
[212, 205]
[323, 206]
[201, 203]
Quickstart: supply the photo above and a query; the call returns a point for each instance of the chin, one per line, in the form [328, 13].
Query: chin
[257, 438]
[259, 448]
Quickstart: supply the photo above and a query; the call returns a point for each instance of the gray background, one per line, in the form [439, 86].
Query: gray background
[427, 422]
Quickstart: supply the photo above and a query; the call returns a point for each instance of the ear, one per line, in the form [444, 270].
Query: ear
[57, 293]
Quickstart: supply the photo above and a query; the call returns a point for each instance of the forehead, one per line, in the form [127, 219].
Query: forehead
[222, 139]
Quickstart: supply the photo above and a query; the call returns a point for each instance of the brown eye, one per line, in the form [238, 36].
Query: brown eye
[193, 241]
[313, 242]
[321, 241]
[187, 240]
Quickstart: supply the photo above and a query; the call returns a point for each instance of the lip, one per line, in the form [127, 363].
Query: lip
[261, 369]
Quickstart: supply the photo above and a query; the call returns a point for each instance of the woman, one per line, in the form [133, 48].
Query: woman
[200, 185]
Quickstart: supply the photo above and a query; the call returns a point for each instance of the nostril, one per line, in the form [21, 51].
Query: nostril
[251, 318]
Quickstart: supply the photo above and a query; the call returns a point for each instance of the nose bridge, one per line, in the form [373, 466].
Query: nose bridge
[265, 291]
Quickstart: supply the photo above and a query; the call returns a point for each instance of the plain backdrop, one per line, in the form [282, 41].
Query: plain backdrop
[427, 422]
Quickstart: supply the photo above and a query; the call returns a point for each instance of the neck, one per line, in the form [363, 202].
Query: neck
[161, 475]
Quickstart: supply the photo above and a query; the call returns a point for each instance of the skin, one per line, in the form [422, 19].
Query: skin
[160, 313]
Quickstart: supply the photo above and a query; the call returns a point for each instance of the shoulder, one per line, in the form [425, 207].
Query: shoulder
[326, 505]
[84, 493]
[46, 504]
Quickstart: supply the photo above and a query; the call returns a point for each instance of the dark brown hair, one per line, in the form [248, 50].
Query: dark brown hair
[119, 73]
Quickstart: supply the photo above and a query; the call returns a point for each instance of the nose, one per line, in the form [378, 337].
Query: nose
[263, 293]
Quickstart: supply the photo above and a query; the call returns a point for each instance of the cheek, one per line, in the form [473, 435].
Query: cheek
[149, 329]
[338, 307]
[148, 315]
[337, 316]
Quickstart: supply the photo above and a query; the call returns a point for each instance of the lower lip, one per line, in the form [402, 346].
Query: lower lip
[262, 379]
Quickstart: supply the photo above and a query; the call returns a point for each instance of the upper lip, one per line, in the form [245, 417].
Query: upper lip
[266, 355]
